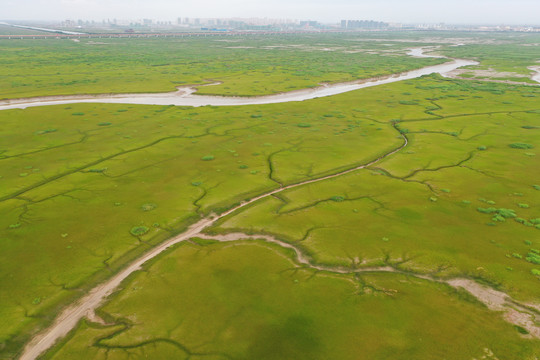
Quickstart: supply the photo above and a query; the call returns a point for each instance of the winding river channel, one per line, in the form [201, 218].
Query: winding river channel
[185, 96]
[520, 314]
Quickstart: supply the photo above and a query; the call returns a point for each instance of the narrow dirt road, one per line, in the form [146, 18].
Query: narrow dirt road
[69, 317]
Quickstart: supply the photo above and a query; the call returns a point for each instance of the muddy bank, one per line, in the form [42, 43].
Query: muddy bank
[491, 75]
[421, 52]
[535, 77]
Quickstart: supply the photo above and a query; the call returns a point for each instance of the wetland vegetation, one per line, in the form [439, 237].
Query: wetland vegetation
[254, 65]
[87, 188]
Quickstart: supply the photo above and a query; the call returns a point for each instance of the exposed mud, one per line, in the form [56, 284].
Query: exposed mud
[535, 77]
[300, 256]
[524, 315]
[422, 52]
[515, 313]
[93, 317]
[489, 73]
[492, 75]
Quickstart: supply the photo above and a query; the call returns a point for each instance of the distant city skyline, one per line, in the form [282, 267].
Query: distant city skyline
[402, 11]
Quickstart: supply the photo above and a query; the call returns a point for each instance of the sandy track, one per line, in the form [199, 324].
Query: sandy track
[87, 305]
[68, 318]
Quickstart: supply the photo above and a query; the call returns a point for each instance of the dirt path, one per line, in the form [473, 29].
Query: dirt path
[69, 317]
[86, 306]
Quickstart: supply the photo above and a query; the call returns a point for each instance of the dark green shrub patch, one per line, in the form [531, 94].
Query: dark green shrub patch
[521, 146]
[138, 230]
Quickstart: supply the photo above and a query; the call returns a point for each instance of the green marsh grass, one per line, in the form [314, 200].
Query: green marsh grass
[94, 181]
[144, 157]
[250, 302]
[61, 67]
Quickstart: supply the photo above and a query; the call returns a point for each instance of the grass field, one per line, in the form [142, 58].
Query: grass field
[122, 167]
[407, 209]
[509, 55]
[86, 188]
[253, 303]
[158, 167]
[254, 65]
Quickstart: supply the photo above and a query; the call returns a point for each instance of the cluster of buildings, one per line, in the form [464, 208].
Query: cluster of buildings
[194, 24]
[238, 23]
[231, 24]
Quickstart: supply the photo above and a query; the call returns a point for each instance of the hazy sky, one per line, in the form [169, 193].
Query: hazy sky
[405, 11]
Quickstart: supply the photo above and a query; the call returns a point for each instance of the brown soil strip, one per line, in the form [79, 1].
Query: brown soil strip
[93, 317]
[524, 315]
